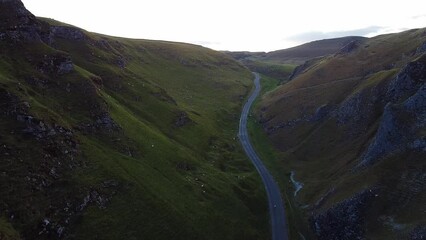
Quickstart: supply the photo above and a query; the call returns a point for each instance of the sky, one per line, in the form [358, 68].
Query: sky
[236, 25]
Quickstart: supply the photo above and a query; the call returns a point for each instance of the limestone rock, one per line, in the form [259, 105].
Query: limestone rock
[351, 46]
[345, 220]
[400, 129]
[408, 80]
[17, 23]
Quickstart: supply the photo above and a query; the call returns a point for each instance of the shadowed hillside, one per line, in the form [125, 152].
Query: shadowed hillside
[351, 130]
[112, 138]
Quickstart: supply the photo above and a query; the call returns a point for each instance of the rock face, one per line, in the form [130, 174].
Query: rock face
[304, 67]
[70, 33]
[401, 124]
[344, 221]
[357, 111]
[419, 233]
[18, 25]
[51, 33]
[351, 46]
[421, 49]
[56, 64]
[16, 22]
[407, 81]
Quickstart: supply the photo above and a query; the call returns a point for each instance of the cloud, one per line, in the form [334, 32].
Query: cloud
[419, 16]
[311, 36]
[207, 43]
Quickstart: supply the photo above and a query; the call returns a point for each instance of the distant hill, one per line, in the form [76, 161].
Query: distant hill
[300, 54]
[280, 64]
[110, 138]
[351, 127]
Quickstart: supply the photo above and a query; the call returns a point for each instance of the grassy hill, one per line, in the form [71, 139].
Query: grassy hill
[299, 54]
[351, 129]
[281, 64]
[111, 138]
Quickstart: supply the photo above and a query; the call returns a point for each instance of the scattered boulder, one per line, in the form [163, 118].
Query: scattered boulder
[181, 120]
[185, 166]
[418, 233]
[162, 95]
[56, 64]
[121, 62]
[102, 123]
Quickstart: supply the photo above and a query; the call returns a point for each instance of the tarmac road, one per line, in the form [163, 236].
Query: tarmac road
[276, 207]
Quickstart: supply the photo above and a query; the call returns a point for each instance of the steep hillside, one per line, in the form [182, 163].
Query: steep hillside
[111, 138]
[351, 129]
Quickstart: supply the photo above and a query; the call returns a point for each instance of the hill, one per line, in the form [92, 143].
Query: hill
[350, 130]
[281, 63]
[299, 54]
[110, 138]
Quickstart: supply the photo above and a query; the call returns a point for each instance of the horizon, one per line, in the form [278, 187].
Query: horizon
[236, 26]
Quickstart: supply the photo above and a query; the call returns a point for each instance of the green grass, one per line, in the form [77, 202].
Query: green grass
[279, 71]
[174, 182]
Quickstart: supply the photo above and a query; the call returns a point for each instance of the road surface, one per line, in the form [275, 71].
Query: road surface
[276, 207]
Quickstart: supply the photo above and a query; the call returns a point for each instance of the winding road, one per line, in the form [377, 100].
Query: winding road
[276, 207]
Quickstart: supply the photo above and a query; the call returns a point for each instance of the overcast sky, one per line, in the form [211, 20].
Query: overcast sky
[252, 25]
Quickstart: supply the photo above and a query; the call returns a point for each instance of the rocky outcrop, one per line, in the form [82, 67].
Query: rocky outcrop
[321, 112]
[56, 64]
[345, 220]
[421, 49]
[419, 233]
[304, 67]
[101, 123]
[50, 34]
[17, 23]
[401, 124]
[162, 95]
[181, 120]
[69, 33]
[399, 130]
[350, 47]
[43, 172]
[408, 80]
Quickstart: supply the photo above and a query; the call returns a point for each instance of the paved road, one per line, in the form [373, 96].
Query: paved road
[276, 207]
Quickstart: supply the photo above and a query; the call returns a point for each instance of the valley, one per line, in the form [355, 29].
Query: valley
[111, 138]
[105, 137]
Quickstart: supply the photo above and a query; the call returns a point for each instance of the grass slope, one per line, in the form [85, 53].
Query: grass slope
[149, 149]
